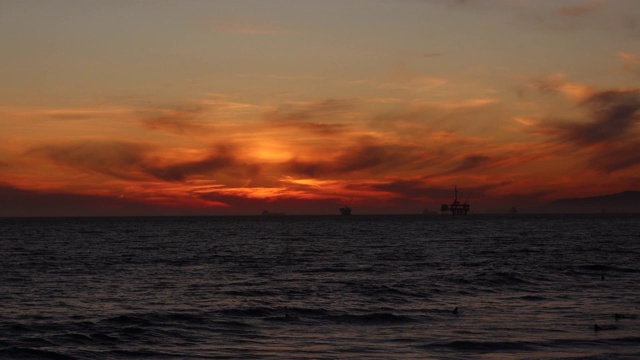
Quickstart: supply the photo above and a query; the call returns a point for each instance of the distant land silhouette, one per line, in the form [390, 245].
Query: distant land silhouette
[622, 202]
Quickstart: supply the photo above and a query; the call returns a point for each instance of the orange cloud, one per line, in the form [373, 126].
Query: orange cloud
[179, 121]
[382, 152]
[113, 158]
[580, 10]
[367, 157]
[557, 83]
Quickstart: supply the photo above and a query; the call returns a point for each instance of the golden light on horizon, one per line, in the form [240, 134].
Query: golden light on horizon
[290, 107]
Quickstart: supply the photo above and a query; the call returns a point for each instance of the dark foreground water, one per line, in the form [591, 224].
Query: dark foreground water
[526, 287]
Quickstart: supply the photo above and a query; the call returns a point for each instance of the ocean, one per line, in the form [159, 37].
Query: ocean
[321, 287]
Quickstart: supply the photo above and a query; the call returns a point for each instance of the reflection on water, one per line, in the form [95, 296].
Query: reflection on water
[374, 287]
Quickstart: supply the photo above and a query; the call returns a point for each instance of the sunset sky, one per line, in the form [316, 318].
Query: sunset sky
[300, 106]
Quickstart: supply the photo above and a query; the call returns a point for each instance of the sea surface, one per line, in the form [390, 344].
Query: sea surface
[321, 287]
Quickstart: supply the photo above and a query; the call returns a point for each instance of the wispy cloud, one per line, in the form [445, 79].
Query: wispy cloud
[470, 163]
[610, 133]
[79, 113]
[117, 159]
[630, 62]
[143, 162]
[558, 82]
[618, 156]
[223, 157]
[401, 79]
[322, 117]
[178, 120]
[580, 9]
[367, 156]
[614, 113]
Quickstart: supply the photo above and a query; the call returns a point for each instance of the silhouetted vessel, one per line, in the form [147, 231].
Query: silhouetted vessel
[513, 211]
[346, 210]
[456, 207]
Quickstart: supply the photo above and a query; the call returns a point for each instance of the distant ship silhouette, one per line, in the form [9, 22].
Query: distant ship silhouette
[346, 210]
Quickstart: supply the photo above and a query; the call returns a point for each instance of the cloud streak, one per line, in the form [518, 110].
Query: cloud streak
[178, 121]
[367, 157]
[613, 114]
[138, 162]
[117, 159]
[222, 158]
[611, 133]
[580, 10]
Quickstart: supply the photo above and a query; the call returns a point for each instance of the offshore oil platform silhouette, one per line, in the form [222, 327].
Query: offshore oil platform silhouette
[456, 207]
[346, 210]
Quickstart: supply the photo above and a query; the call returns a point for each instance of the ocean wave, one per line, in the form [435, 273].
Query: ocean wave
[395, 290]
[36, 341]
[371, 319]
[310, 312]
[210, 288]
[128, 320]
[338, 269]
[607, 269]
[533, 298]
[76, 338]
[133, 330]
[149, 354]
[104, 338]
[251, 293]
[483, 346]
[249, 312]
[15, 352]
[628, 340]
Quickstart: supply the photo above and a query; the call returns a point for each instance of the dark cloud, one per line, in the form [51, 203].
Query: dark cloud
[133, 161]
[470, 163]
[424, 194]
[421, 188]
[365, 157]
[222, 158]
[411, 188]
[613, 115]
[611, 135]
[618, 157]
[114, 158]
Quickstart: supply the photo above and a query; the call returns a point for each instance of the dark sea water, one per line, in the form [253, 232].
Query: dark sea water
[526, 287]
